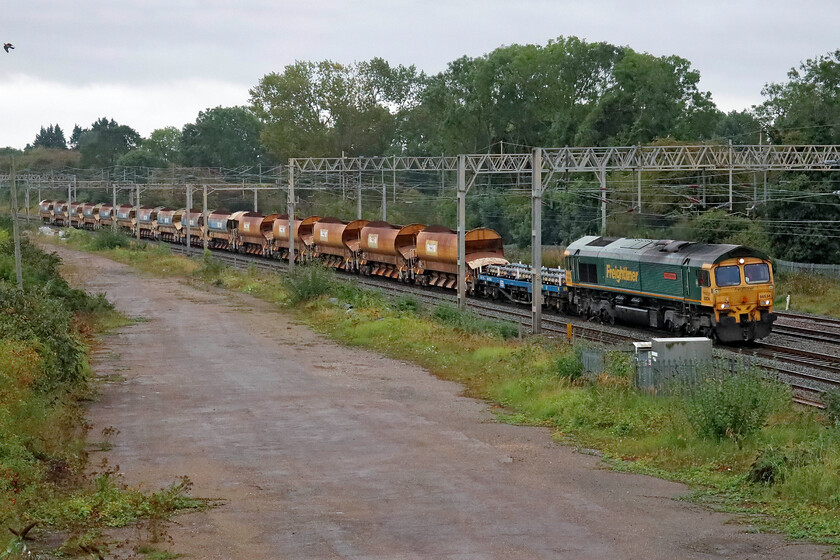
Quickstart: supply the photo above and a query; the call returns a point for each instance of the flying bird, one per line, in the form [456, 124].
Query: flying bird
[7, 46]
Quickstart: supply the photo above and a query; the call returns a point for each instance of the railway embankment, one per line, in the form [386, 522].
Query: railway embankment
[741, 443]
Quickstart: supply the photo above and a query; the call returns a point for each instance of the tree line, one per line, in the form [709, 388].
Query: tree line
[568, 92]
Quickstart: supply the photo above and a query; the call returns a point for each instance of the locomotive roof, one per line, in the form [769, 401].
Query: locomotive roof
[659, 250]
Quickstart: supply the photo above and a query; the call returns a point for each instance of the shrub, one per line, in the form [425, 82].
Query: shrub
[109, 240]
[469, 322]
[831, 399]
[569, 365]
[356, 296]
[769, 467]
[210, 265]
[308, 282]
[406, 304]
[40, 319]
[733, 406]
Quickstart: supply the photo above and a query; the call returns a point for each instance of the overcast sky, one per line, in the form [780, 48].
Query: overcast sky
[156, 63]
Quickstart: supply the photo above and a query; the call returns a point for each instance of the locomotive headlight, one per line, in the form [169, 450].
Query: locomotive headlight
[724, 306]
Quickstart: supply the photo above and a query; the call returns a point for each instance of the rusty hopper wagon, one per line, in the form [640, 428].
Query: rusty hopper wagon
[168, 220]
[389, 250]
[219, 235]
[45, 208]
[197, 230]
[146, 218]
[104, 214]
[59, 213]
[437, 254]
[254, 232]
[74, 214]
[88, 220]
[303, 236]
[125, 215]
[337, 243]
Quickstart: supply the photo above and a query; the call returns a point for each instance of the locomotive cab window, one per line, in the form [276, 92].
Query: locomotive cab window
[703, 279]
[727, 276]
[588, 273]
[758, 273]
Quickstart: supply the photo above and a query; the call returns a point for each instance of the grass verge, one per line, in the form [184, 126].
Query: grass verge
[809, 293]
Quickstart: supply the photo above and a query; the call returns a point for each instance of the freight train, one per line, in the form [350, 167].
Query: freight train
[724, 292]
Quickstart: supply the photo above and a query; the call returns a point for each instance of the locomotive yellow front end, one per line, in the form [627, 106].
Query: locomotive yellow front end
[741, 292]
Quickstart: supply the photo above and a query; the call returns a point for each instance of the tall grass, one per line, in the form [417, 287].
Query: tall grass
[308, 282]
[811, 293]
[109, 240]
[471, 323]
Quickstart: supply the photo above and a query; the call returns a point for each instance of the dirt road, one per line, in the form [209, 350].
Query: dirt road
[322, 452]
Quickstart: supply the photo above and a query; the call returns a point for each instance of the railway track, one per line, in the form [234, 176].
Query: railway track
[807, 386]
[807, 327]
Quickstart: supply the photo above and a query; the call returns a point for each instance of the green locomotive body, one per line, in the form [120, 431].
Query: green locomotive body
[724, 291]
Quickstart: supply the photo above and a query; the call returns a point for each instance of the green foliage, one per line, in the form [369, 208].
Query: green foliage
[469, 322]
[733, 406]
[327, 108]
[797, 223]
[568, 365]
[50, 137]
[309, 281]
[222, 137]
[211, 267]
[742, 127]
[719, 226]
[831, 399]
[45, 322]
[806, 109]
[406, 304]
[109, 240]
[769, 467]
[356, 296]
[161, 148]
[105, 141]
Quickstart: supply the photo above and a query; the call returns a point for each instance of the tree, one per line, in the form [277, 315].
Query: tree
[742, 127]
[50, 137]
[564, 93]
[805, 110]
[75, 136]
[105, 142]
[164, 144]
[651, 97]
[220, 137]
[801, 221]
[327, 108]
[161, 148]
